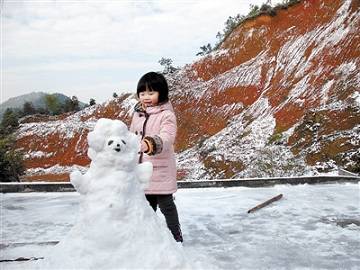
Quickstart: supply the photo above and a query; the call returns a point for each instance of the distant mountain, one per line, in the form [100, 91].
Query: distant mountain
[36, 98]
[280, 97]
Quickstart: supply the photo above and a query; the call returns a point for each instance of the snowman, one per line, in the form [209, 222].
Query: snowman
[116, 228]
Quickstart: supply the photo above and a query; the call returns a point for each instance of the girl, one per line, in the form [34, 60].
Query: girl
[154, 120]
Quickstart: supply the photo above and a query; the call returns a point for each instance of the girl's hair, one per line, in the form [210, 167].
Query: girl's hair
[154, 82]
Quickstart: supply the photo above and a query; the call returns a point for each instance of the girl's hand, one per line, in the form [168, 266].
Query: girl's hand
[143, 147]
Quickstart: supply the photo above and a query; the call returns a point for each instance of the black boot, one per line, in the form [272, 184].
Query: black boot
[176, 232]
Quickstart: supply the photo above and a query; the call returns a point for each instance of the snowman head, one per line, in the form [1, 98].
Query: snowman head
[116, 143]
[112, 145]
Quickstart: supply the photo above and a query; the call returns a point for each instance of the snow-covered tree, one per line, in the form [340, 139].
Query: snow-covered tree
[206, 49]
[167, 64]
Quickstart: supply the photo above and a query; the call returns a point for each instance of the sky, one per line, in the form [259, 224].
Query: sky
[92, 49]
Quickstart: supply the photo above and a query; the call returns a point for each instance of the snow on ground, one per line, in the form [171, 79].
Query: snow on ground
[312, 226]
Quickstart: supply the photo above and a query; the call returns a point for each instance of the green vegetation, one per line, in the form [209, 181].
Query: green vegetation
[9, 122]
[205, 49]
[11, 161]
[53, 106]
[28, 108]
[92, 102]
[71, 105]
[275, 138]
[355, 166]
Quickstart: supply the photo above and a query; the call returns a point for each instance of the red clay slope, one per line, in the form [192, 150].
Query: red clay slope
[304, 61]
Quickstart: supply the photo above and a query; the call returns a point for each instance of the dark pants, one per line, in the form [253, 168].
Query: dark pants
[168, 208]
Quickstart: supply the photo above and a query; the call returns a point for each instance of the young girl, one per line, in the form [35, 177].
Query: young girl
[155, 122]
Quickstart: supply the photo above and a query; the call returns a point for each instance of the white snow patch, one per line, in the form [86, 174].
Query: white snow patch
[56, 169]
[218, 53]
[37, 154]
[346, 68]
[324, 92]
[356, 96]
[298, 90]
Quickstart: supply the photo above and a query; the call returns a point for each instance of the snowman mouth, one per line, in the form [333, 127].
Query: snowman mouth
[117, 149]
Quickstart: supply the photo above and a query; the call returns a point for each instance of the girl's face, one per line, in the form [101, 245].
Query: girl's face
[149, 98]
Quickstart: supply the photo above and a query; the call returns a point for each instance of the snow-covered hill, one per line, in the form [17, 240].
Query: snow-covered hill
[280, 97]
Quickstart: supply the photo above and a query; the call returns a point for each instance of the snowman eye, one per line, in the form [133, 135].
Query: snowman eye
[110, 142]
[123, 142]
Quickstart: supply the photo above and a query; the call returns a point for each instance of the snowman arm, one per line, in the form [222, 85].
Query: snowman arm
[78, 181]
[144, 172]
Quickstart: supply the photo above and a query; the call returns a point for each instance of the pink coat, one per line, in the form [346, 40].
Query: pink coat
[161, 122]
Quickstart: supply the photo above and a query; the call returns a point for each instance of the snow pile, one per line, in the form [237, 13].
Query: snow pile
[116, 227]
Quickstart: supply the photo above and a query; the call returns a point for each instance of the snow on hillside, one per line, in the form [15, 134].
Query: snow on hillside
[51, 139]
[72, 124]
[279, 98]
[247, 143]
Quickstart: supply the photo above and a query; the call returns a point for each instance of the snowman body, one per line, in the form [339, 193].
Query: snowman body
[116, 228]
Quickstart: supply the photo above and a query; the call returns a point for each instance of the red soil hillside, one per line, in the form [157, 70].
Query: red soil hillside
[285, 84]
[52, 146]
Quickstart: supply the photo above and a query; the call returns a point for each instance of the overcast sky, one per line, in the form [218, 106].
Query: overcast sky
[91, 49]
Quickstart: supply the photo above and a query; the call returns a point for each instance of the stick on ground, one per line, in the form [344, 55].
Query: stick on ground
[276, 198]
[21, 259]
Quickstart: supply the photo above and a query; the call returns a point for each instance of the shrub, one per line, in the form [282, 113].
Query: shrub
[9, 122]
[53, 104]
[92, 102]
[206, 49]
[28, 108]
[276, 138]
[11, 161]
[167, 64]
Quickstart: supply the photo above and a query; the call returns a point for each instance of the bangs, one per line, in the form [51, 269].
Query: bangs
[154, 82]
[143, 86]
